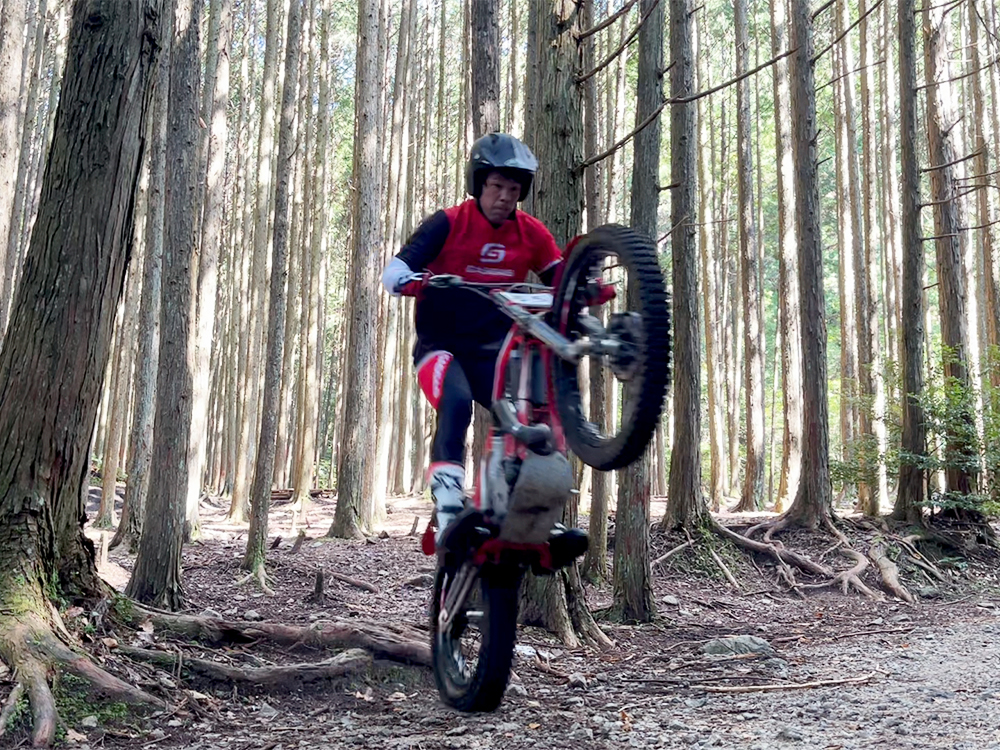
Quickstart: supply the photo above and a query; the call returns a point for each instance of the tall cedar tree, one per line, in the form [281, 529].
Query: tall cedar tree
[685, 502]
[53, 358]
[813, 503]
[355, 514]
[263, 475]
[914, 438]
[156, 578]
[633, 592]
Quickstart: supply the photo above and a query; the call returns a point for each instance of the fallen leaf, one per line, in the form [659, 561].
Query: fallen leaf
[74, 612]
[397, 697]
[110, 642]
[533, 725]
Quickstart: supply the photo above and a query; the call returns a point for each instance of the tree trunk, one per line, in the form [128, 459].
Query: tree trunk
[156, 578]
[685, 504]
[147, 357]
[890, 191]
[914, 439]
[789, 313]
[813, 502]
[633, 593]
[849, 237]
[264, 469]
[29, 128]
[53, 358]
[240, 504]
[872, 490]
[303, 471]
[753, 480]
[984, 236]
[960, 453]
[356, 513]
[11, 67]
[208, 264]
[485, 23]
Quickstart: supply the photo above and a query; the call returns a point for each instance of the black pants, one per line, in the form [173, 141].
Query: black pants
[468, 377]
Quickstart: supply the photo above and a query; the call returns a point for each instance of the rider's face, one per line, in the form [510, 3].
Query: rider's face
[499, 197]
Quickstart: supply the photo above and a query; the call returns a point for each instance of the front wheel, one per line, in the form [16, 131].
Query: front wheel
[628, 339]
[472, 655]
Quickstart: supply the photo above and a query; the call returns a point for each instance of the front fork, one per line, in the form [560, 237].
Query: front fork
[456, 593]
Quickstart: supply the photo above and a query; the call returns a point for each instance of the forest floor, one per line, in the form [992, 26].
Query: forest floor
[890, 675]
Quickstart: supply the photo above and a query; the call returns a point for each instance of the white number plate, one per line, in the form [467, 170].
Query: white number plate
[535, 300]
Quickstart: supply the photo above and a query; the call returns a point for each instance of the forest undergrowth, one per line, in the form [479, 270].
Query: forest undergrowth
[341, 642]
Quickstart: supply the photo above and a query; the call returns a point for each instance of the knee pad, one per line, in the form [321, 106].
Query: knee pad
[431, 371]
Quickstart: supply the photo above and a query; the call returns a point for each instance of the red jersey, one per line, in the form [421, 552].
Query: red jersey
[461, 241]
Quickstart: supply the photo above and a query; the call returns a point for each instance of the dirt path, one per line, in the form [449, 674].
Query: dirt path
[915, 677]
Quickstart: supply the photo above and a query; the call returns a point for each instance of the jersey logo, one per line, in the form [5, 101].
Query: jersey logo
[492, 252]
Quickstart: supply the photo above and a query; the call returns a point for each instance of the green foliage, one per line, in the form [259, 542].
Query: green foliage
[961, 437]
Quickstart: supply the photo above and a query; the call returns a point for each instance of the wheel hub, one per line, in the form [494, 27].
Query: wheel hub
[626, 329]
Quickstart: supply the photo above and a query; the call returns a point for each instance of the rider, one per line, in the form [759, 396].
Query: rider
[459, 333]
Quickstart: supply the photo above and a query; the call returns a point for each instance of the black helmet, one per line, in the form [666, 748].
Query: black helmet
[499, 152]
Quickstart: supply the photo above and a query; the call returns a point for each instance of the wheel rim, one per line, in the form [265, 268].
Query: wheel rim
[624, 328]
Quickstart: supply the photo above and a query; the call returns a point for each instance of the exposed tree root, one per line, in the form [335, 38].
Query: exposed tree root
[787, 559]
[258, 574]
[385, 641]
[889, 572]
[287, 677]
[29, 645]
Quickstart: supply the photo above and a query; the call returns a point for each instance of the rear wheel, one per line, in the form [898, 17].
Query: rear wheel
[628, 339]
[472, 655]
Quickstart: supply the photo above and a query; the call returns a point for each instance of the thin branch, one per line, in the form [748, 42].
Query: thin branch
[850, 73]
[607, 21]
[786, 686]
[949, 199]
[918, 11]
[846, 31]
[952, 163]
[824, 6]
[977, 176]
[971, 73]
[623, 141]
[714, 89]
[671, 230]
[939, 237]
[621, 48]
[981, 226]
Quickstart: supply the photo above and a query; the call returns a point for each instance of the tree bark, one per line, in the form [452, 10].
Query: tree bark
[240, 504]
[789, 315]
[156, 578]
[814, 502]
[912, 491]
[849, 238]
[633, 593]
[11, 66]
[753, 480]
[356, 513]
[961, 456]
[263, 474]
[485, 67]
[52, 361]
[140, 452]
[872, 487]
[211, 241]
[984, 237]
[685, 503]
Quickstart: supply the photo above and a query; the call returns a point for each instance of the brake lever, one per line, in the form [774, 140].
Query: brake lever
[444, 281]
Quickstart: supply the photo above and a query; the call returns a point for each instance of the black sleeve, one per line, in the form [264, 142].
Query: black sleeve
[426, 241]
[549, 274]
